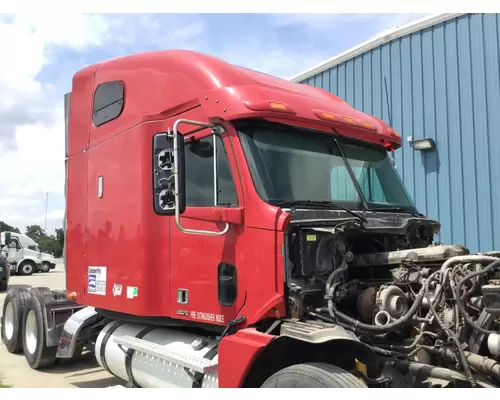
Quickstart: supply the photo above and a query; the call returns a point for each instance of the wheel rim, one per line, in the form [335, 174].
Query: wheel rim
[27, 268]
[8, 321]
[31, 332]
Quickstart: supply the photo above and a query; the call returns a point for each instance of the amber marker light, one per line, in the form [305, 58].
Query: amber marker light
[329, 116]
[277, 106]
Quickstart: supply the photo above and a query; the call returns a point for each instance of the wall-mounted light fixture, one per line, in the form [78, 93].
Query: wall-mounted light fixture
[423, 144]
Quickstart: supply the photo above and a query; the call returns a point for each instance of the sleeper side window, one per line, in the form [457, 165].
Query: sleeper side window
[200, 174]
[108, 102]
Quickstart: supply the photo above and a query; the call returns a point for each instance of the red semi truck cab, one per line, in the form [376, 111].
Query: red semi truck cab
[125, 254]
[212, 212]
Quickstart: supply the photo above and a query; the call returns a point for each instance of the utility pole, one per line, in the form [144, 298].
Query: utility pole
[46, 208]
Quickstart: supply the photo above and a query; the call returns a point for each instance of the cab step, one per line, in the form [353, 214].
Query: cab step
[197, 364]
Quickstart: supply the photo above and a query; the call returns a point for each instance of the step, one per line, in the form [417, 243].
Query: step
[197, 364]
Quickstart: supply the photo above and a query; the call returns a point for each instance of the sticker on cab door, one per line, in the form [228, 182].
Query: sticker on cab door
[132, 292]
[117, 290]
[96, 280]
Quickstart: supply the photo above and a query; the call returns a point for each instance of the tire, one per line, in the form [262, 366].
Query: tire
[3, 286]
[313, 375]
[26, 268]
[13, 309]
[35, 349]
[45, 267]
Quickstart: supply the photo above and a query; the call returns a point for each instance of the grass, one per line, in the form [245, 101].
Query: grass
[2, 386]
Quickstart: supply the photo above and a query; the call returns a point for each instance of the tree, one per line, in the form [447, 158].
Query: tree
[4, 227]
[35, 232]
[60, 237]
[48, 244]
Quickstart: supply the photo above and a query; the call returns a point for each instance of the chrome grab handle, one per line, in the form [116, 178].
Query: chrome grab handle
[176, 180]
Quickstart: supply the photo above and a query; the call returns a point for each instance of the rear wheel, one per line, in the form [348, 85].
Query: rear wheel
[35, 347]
[13, 309]
[313, 375]
[27, 268]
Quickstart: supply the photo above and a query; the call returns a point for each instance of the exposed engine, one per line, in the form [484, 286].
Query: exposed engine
[431, 311]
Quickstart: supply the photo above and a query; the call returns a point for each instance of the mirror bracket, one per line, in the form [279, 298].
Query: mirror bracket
[215, 131]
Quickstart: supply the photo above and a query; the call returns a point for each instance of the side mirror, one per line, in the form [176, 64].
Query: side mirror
[5, 238]
[168, 161]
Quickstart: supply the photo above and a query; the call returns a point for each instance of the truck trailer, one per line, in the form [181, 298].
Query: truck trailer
[227, 228]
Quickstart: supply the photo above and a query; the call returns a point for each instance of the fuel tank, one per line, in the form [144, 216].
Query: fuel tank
[149, 371]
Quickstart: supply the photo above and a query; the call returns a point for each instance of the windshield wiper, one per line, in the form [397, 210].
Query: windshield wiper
[319, 203]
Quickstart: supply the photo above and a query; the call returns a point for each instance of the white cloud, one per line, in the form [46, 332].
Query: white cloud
[32, 124]
[278, 62]
[74, 30]
[354, 21]
[36, 167]
[54, 218]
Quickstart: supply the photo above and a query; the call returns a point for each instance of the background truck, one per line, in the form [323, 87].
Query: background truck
[22, 253]
[240, 230]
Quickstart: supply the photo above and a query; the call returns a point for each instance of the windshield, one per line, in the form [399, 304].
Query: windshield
[290, 164]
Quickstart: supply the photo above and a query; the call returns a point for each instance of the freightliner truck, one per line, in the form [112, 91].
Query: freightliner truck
[227, 228]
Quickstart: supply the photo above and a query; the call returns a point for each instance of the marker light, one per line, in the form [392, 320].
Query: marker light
[367, 125]
[277, 106]
[269, 106]
[71, 296]
[423, 144]
[328, 116]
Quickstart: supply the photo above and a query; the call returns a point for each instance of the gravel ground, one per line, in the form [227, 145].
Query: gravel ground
[15, 371]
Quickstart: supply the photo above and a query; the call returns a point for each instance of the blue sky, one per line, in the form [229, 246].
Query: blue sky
[42, 52]
[280, 44]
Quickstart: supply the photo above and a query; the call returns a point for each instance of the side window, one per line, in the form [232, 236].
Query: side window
[13, 244]
[200, 172]
[108, 102]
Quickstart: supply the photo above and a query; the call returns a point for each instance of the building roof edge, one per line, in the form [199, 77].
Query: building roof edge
[377, 41]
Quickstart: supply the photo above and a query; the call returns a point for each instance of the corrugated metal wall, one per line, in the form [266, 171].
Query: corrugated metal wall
[442, 83]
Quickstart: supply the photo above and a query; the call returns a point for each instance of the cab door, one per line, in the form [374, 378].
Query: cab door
[205, 271]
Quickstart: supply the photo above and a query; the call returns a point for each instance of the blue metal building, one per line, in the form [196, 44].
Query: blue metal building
[438, 78]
